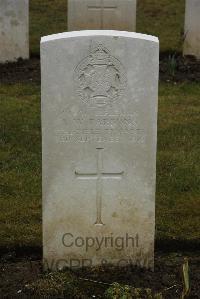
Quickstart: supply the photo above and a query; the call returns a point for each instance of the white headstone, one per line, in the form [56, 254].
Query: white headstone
[99, 128]
[192, 28]
[102, 14]
[14, 30]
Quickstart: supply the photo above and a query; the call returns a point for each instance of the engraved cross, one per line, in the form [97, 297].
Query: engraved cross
[102, 7]
[99, 175]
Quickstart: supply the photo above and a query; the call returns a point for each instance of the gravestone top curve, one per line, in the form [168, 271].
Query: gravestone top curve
[85, 33]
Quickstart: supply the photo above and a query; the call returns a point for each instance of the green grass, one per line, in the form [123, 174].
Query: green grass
[178, 167]
[178, 162]
[46, 17]
[163, 18]
[20, 200]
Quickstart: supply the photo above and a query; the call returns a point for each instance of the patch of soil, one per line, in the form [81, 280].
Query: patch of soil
[173, 67]
[16, 274]
[21, 71]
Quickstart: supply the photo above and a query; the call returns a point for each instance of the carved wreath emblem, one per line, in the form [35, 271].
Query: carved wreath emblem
[100, 78]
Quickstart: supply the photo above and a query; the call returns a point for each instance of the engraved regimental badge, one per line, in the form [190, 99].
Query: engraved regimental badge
[100, 78]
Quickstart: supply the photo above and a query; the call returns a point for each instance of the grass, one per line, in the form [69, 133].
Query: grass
[178, 167]
[163, 18]
[20, 215]
[46, 17]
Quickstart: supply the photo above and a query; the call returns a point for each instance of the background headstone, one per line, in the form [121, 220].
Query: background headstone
[192, 28]
[99, 127]
[102, 14]
[14, 30]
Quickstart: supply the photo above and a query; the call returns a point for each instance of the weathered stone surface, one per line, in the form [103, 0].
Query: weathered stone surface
[102, 14]
[99, 127]
[14, 30]
[192, 28]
